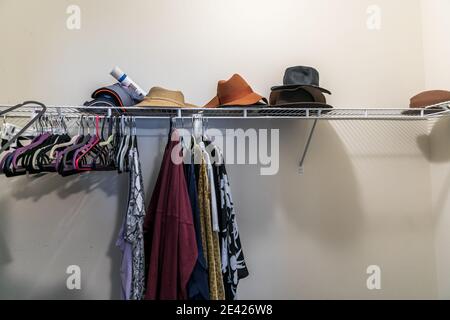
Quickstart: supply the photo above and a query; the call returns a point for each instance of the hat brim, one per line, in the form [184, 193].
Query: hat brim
[305, 105]
[316, 97]
[295, 87]
[248, 100]
[155, 103]
[418, 111]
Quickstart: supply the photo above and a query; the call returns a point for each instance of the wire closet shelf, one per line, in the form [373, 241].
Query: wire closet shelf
[434, 112]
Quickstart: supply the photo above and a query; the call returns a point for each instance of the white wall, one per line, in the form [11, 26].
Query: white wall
[436, 31]
[190, 45]
[309, 236]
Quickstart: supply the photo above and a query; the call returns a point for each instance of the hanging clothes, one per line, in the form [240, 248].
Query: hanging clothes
[198, 288]
[212, 188]
[131, 238]
[126, 268]
[234, 266]
[210, 239]
[169, 233]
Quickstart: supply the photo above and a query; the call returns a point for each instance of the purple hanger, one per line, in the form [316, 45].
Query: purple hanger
[36, 141]
[60, 155]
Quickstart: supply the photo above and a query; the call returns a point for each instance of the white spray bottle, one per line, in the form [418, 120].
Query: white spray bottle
[126, 81]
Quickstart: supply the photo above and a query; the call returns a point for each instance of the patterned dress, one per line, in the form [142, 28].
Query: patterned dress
[131, 238]
[234, 267]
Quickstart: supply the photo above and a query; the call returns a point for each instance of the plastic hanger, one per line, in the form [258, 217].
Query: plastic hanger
[72, 141]
[124, 146]
[15, 167]
[26, 161]
[97, 155]
[4, 133]
[124, 151]
[11, 167]
[31, 163]
[41, 159]
[64, 162]
[84, 151]
[28, 125]
[109, 141]
[121, 142]
[108, 146]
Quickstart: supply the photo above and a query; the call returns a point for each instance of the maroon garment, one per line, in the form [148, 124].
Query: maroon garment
[169, 234]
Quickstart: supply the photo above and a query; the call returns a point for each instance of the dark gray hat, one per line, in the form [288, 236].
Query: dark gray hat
[300, 76]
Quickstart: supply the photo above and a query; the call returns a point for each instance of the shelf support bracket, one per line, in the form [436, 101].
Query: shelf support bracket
[305, 151]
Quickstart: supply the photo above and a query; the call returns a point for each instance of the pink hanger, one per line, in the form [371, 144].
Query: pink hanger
[88, 147]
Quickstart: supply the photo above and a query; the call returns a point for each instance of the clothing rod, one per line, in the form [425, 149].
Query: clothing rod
[383, 118]
[444, 105]
[238, 113]
[354, 118]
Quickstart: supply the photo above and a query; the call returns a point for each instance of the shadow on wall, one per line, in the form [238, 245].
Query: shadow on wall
[440, 132]
[38, 186]
[5, 254]
[327, 192]
[113, 252]
[282, 217]
[438, 152]
[73, 219]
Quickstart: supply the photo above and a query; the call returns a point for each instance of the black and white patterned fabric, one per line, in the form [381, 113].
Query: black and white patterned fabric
[234, 267]
[134, 233]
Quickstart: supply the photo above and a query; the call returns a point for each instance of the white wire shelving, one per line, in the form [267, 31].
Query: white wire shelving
[264, 113]
[437, 111]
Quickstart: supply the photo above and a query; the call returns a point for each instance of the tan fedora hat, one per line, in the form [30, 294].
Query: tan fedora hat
[160, 97]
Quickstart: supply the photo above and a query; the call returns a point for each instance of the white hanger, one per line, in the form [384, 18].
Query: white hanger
[66, 144]
[108, 141]
[124, 151]
[119, 149]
